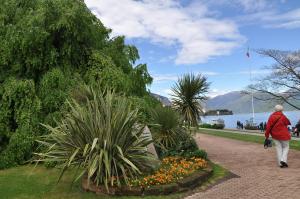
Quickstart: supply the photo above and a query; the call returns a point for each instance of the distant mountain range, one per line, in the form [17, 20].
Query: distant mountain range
[235, 101]
[164, 100]
[241, 103]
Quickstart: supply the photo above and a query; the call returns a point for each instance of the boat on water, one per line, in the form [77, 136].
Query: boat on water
[218, 121]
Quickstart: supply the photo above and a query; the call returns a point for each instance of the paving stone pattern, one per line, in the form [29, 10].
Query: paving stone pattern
[260, 177]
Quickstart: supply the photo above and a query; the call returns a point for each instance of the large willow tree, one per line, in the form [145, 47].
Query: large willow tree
[48, 48]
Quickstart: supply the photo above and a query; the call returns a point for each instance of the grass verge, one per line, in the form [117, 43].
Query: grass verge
[26, 182]
[294, 144]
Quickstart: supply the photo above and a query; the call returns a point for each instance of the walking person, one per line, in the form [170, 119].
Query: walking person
[261, 127]
[238, 124]
[277, 128]
[297, 129]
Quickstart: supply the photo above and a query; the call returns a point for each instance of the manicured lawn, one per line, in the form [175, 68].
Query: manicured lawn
[245, 137]
[29, 182]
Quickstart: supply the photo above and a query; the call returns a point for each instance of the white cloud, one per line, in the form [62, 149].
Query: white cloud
[274, 19]
[167, 92]
[209, 73]
[253, 5]
[287, 20]
[245, 5]
[164, 77]
[212, 93]
[174, 77]
[166, 59]
[193, 31]
[253, 72]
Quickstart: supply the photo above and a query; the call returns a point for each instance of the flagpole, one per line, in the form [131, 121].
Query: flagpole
[252, 98]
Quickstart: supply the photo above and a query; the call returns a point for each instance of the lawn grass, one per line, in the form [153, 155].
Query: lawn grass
[26, 182]
[294, 144]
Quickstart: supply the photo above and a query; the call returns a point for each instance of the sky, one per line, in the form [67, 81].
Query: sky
[210, 37]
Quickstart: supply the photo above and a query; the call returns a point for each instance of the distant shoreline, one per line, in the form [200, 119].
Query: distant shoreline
[218, 112]
[230, 120]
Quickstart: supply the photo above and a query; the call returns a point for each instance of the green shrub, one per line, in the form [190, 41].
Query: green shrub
[212, 126]
[54, 89]
[145, 104]
[19, 116]
[111, 76]
[7, 160]
[18, 151]
[185, 146]
[197, 153]
[103, 137]
[170, 137]
[166, 127]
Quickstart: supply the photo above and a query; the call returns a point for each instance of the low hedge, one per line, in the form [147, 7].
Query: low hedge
[212, 126]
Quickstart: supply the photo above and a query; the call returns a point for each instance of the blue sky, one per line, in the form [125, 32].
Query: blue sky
[203, 36]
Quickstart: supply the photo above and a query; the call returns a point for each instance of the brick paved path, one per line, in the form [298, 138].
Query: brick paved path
[260, 178]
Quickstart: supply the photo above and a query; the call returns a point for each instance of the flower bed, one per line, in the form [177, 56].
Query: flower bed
[176, 174]
[171, 170]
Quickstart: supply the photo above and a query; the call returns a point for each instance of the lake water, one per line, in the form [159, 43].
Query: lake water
[230, 120]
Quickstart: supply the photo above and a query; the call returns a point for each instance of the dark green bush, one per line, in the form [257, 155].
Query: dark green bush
[19, 116]
[188, 153]
[170, 137]
[18, 151]
[185, 146]
[145, 104]
[7, 160]
[197, 153]
[212, 126]
[54, 89]
[166, 127]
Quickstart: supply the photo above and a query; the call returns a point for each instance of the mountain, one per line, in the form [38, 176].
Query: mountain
[164, 100]
[241, 103]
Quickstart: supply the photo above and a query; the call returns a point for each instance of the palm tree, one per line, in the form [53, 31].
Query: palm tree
[188, 93]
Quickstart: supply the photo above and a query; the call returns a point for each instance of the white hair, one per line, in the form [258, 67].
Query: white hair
[278, 107]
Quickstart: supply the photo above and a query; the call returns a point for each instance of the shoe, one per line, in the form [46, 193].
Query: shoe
[283, 164]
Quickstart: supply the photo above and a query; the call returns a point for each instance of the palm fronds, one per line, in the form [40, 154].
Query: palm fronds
[187, 95]
[166, 127]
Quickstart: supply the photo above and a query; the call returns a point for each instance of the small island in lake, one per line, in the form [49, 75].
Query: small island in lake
[218, 112]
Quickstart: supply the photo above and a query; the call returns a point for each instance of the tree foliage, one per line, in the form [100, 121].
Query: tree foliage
[19, 113]
[48, 48]
[282, 84]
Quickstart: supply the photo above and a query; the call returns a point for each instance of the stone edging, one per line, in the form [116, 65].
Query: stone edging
[185, 184]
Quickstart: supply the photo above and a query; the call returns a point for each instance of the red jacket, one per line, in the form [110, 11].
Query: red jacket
[279, 130]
